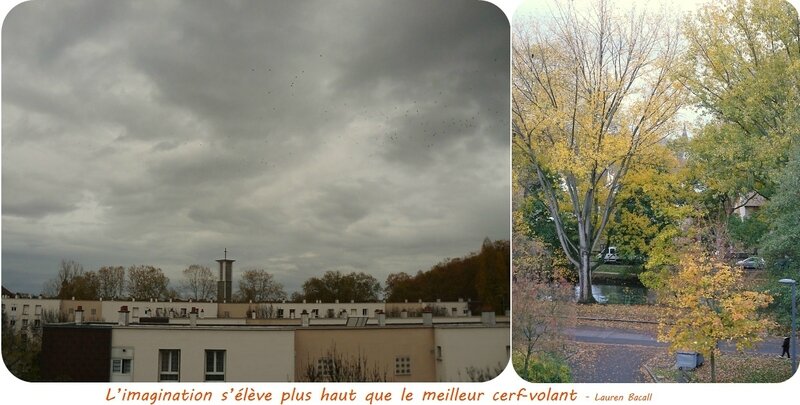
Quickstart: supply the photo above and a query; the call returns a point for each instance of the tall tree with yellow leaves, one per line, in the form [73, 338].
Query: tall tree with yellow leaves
[591, 94]
[706, 305]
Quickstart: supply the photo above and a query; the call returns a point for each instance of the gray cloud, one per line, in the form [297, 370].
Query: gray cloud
[302, 136]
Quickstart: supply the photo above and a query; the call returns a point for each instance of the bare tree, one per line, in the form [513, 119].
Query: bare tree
[541, 310]
[61, 285]
[198, 283]
[258, 285]
[145, 282]
[337, 367]
[592, 91]
[111, 281]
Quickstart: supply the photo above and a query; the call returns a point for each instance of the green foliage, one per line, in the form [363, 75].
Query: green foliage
[742, 66]
[542, 368]
[781, 245]
[21, 352]
[334, 285]
[748, 231]
[652, 201]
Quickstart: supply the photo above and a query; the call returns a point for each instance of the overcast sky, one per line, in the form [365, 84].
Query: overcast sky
[302, 136]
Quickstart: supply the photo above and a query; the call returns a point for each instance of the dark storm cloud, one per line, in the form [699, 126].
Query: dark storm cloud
[303, 136]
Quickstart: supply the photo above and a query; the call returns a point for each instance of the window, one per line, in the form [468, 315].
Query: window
[454, 311]
[13, 308]
[121, 366]
[315, 313]
[169, 365]
[325, 367]
[291, 314]
[12, 322]
[37, 310]
[215, 365]
[438, 352]
[24, 323]
[364, 312]
[94, 311]
[280, 312]
[37, 323]
[402, 365]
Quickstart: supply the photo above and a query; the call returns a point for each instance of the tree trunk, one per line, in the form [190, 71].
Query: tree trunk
[585, 279]
[713, 367]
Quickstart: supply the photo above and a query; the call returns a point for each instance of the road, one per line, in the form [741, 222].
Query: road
[618, 354]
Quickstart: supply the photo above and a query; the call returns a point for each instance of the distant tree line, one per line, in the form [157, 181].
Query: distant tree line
[482, 277]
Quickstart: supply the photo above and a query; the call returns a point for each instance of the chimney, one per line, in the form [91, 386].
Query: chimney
[487, 318]
[381, 318]
[427, 318]
[123, 315]
[79, 315]
[304, 319]
[193, 317]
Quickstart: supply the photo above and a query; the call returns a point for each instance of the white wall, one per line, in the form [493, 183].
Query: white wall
[252, 354]
[476, 346]
[140, 309]
[28, 309]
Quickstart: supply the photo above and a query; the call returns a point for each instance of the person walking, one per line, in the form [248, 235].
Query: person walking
[786, 348]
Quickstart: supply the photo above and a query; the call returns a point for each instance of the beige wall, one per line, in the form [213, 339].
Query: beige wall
[252, 354]
[92, 310]
[462, 347]
[379, 346]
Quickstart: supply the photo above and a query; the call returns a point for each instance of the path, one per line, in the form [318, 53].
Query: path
[612, 355]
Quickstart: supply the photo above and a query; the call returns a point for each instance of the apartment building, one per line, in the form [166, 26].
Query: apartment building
[419, 349]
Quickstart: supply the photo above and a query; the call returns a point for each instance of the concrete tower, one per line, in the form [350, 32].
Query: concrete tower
[225, 283]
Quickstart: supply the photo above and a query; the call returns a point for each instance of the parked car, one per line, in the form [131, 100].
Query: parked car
[752, 262]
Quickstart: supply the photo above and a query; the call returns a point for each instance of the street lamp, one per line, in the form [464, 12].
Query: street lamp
[793, 336]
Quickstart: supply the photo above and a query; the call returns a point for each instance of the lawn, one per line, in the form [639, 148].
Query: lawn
[620, 272]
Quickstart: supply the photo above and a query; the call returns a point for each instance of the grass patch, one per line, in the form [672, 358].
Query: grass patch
[623, 270]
